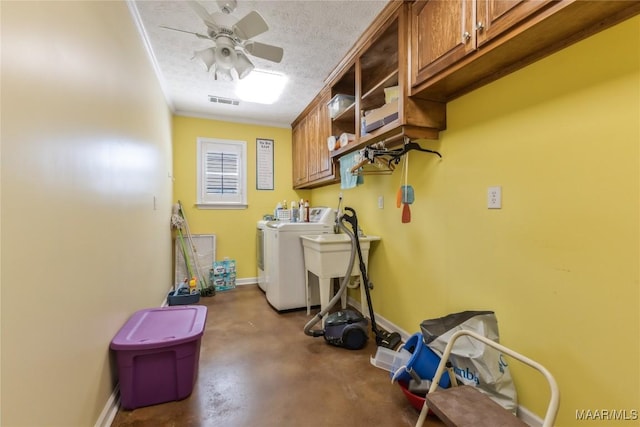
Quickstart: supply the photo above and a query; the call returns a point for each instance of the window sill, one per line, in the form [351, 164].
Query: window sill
[220, 206]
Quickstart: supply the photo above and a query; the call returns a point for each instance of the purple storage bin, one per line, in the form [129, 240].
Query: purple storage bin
[157, 352]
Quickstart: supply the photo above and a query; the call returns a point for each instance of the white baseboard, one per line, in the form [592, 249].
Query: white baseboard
[524, 414]
[529, 417]
[110, 410]
[384, 323]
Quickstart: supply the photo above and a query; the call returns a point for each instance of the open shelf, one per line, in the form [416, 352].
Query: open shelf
[380, 59]
[346, 120]
[375, 97]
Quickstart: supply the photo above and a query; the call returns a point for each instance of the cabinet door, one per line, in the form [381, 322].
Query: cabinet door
[299, 154]
[496, 16]
[442, 33]
[312, 143]
[324, 166]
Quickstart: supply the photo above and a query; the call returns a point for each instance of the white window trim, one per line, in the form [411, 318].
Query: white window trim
[207, 144]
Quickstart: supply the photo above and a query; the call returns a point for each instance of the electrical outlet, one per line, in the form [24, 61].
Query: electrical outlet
[494, 197]
[380, 202]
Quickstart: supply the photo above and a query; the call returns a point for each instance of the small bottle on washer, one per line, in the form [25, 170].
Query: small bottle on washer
[301, 210]
[306, 211]
[294, 211]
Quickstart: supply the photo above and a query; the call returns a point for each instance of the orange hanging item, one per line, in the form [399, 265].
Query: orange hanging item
[407, 193]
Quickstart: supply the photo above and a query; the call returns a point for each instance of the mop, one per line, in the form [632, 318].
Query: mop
[179, 222]
[205, 288]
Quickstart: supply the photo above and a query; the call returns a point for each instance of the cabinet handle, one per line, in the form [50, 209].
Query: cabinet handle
[479, 26]
[466, 36]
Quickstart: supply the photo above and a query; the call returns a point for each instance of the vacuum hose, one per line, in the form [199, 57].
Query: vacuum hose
[343, 285]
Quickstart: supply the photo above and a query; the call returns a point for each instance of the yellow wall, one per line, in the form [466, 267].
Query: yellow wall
[559, 263]
[235, 230]
[86, 146]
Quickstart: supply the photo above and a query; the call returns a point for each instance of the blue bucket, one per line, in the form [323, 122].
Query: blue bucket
[423, 362]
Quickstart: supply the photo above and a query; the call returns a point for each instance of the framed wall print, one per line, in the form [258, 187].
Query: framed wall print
[264, 164]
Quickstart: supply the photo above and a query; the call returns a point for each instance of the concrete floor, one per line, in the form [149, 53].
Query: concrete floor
[258, 368]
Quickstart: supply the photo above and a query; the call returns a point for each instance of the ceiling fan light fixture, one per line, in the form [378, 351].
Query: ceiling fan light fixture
[225, 53]
[227, 6]
[261, 87]
[243, 65]
[223, 74]
[208, 56]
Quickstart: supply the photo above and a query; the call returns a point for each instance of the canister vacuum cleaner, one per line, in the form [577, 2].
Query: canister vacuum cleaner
[348, 328]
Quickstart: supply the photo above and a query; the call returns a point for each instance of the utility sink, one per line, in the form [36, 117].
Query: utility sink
[327, 256]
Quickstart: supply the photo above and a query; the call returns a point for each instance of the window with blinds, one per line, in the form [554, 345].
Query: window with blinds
[222, 170]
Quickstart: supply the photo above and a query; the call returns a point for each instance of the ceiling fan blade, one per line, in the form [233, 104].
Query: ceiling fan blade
[250, 26]
[203, 14]
[265, 51]
[201, 36]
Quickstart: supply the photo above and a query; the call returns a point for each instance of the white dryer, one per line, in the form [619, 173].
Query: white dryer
[284, 259]
[260, 253]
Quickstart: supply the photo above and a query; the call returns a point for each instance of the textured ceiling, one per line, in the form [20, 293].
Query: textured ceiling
[315, 36]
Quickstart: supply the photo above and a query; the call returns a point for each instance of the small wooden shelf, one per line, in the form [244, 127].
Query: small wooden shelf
[348, 115]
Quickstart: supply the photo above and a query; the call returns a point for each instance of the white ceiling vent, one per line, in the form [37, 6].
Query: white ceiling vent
[221, 100]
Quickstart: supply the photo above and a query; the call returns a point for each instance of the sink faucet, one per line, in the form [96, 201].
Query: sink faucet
[336, 228]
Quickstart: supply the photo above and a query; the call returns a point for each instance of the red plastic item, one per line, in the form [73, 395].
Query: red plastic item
[415, 400]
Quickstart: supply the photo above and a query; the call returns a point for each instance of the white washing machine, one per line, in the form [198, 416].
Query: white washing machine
[284, 259]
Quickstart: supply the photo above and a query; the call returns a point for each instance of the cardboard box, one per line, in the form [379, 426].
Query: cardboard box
[391, 94]
[381, 116]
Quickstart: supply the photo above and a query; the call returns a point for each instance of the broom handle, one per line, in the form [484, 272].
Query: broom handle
[192, 247]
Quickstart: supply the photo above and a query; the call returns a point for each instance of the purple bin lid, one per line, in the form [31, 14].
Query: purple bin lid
[161, 327]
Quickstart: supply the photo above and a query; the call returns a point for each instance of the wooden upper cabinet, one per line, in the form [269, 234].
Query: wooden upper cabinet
[445, 31]
[312, 142]
[441, 34]
[376, 68]
[323, 166]
[312, 163]
[460, 45]
[299, 153]
[429, 52]
[493, 17]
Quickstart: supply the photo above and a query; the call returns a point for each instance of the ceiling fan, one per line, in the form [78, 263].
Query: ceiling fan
[232, 40]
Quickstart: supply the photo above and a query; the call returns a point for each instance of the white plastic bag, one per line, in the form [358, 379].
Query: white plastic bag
[473, 362]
